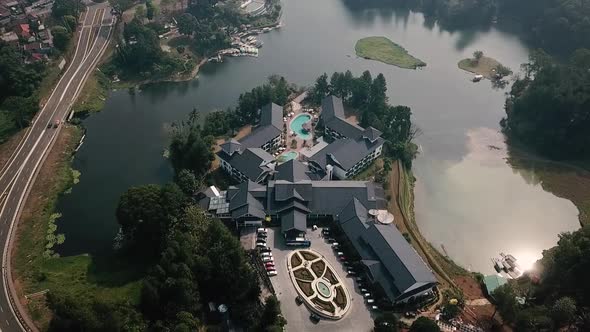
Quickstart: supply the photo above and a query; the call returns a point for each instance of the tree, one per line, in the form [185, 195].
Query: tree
[424, 324]
[271, 315]
[69, 22]
[189, 149]
[477, 55]
[140, 12]
[61, 37]
[187, 24]
[150, 9]
[563, 311]
[22, 109]
[62, 8]
[505, 299]
[386, 322]
[187, 182]
[320, 90]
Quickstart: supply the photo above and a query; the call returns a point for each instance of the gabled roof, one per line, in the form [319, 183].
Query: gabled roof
[345, 128]
[243, 203]
[294, 219]
[332, 107]
[231, 146]
[345, 152]
[260, 136]
[292, 170]
[271, 115]
[371, 133]
[252, 162]
[397, 256]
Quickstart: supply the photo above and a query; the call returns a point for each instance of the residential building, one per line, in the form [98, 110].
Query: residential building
[267, 135]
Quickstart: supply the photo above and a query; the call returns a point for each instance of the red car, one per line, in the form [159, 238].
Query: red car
[342, 258]
[270, 268]
[269, 264]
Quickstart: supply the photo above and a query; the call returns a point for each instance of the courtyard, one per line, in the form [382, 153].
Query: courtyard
[357, 318]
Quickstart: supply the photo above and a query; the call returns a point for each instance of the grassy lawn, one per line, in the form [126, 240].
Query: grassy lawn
[384, 50]
[485, 66]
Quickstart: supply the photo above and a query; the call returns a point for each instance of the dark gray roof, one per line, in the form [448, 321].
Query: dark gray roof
[294, 219]
[372, 133]
[345, 128]
[271, 115]
[260, 136]
[231, 146]
[251, 162]
[243, 202]
[345, 152]
[292, 170]
[332, 107]
[397, 256]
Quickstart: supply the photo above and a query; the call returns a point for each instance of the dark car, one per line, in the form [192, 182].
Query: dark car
[298, 300]
[265, 249]
[331, 240]
[326, 231]
[314, 318]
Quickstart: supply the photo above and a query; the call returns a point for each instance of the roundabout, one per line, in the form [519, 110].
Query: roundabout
[317, 283]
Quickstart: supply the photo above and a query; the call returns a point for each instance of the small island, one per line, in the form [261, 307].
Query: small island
[384, 50]
[485, 66]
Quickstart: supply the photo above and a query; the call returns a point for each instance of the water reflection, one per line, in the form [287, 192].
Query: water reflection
[515, 217]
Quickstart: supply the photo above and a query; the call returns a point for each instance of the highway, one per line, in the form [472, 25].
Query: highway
[18, 174]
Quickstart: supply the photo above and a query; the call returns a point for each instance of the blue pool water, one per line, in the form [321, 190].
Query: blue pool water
[297, 125]
[288, 156]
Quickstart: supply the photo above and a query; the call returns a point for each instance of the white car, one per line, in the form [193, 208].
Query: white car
[271, 273]
[267, 259]
[261, 230]
[340, 253]
[335, 244]
[370, 301]
[367, 295]
[266, 254]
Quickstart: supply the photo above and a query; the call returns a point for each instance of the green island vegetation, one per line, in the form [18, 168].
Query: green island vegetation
[556, 293]
[488, 67]
[384, 50]
[368, 100]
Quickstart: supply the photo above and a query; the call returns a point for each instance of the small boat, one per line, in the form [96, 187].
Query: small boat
[497, 265]
[259, 43]
[477, 78]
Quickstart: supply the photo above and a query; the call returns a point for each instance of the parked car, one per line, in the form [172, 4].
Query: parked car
[265, 249]
[369, 301]
[270, 268]
[267, 259]
[374, 308]
[410, 314]
[314, 318]
[271, 273]
[298, 300]
[331, 240]
[364, 290]
[350, 273]
[261, 230]
[262, 235]
[366, 295]
[339, 253]
[360, 279]
[269, 264]
[342, 258]
[261, 245]
[266, 254]
[335, 244]
[336, 247]
[325, 232]
[263, 242]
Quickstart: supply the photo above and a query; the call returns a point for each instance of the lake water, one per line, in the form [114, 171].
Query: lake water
[468, 198]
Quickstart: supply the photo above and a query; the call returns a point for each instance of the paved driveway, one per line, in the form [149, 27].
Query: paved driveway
[358, 318]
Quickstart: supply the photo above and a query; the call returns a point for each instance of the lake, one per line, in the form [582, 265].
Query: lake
[467, 197]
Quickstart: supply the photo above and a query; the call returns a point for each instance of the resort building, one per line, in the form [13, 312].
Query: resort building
[294, 200]
[386, 255]
[353, 149]
[267, 135]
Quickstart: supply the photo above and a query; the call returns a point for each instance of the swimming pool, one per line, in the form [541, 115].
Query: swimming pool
[288, 156]
[297, 126]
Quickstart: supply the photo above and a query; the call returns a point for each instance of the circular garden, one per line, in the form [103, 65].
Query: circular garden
[316, 282]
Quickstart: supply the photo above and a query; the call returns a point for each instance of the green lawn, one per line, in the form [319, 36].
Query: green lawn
[384, 50]
[485, 66]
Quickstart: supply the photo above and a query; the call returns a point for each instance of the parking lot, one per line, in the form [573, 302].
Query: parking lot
[358, 318]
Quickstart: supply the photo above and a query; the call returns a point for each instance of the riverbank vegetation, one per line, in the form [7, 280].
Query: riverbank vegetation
[549, 108]
[384, 50]
[556, 294]
[367, 97]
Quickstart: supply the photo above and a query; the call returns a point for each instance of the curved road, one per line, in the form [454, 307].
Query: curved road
[18, 174]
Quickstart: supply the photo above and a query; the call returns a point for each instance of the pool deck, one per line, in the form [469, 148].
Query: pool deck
[298, 109]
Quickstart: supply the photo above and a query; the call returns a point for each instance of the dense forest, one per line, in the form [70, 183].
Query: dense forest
[367, 97]
[557, 294]
[549, 108]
